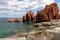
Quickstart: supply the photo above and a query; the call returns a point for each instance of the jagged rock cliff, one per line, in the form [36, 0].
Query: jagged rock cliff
[50, 12]
[29, 17]
[41, 16]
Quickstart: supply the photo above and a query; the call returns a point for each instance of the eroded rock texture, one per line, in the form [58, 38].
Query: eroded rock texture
[41, 16]
[29, 17]
[24, 18]
[50, 12]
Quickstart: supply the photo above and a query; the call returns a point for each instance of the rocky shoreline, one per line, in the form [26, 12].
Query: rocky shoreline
[47, 25]
[43, 31]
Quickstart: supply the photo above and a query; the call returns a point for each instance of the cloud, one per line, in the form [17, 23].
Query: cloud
[20, 7]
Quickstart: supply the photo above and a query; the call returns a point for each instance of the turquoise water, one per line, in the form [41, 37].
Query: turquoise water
[8, 28]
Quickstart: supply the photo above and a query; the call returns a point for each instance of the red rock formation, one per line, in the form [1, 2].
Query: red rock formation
[24, 18]
[54, 11]
[47, 10]
[32, 16]
[14, 20]
[29, 17]
[41, 16]
[50, 12]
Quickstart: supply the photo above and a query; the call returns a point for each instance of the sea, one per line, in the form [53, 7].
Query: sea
[8, 29]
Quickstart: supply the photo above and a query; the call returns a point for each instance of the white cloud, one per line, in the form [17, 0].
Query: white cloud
[15, 7]
[47, 1]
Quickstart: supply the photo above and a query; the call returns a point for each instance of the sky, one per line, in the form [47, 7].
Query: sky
[18, 8]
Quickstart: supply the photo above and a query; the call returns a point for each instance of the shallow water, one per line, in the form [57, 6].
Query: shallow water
[9, 28]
